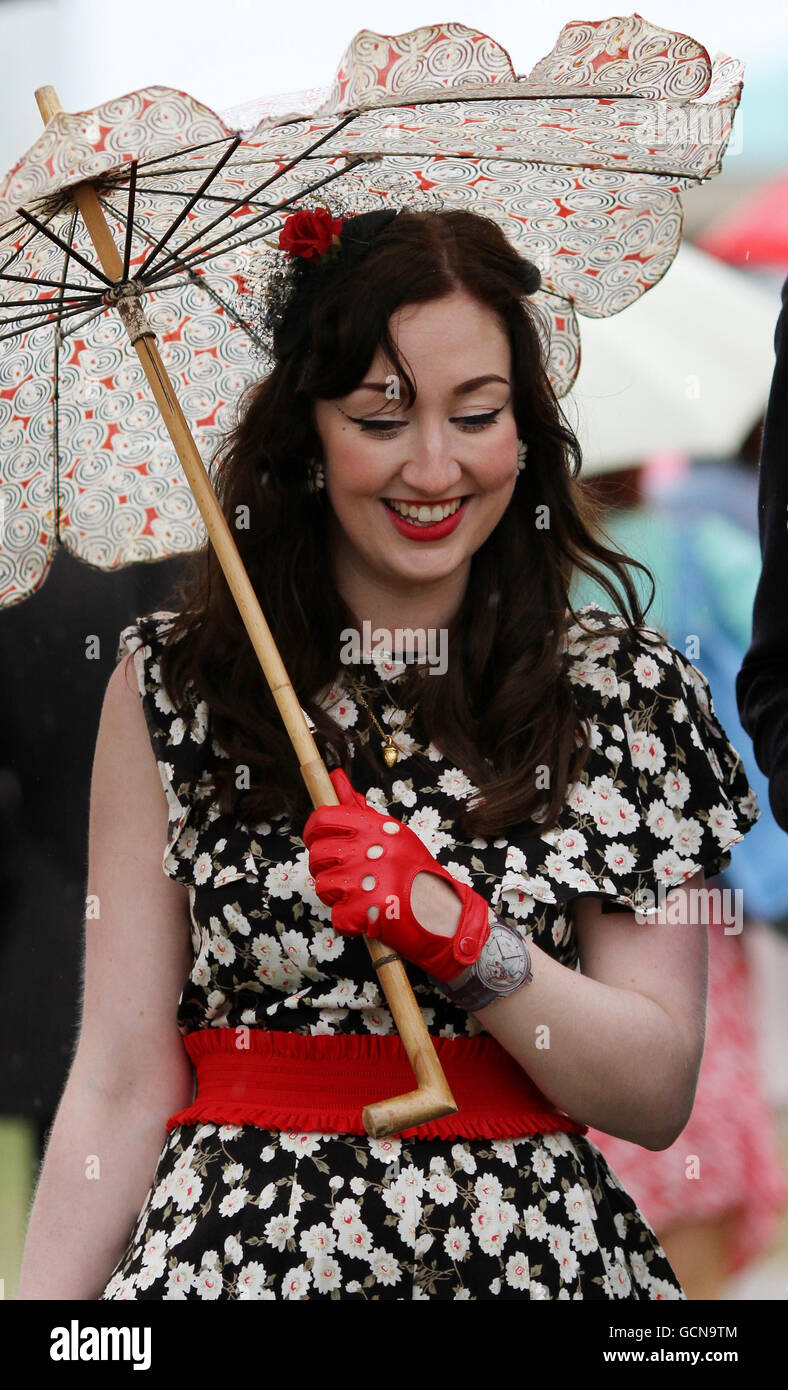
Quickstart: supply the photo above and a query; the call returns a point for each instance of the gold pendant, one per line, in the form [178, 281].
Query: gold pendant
[390, 752]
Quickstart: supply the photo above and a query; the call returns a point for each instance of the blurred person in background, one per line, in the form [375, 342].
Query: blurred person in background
[717, 1195]
[762, 682]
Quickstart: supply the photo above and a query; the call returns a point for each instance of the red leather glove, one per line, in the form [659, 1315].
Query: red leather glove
[353, 845]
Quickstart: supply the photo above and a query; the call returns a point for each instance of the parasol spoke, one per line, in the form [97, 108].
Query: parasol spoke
[64, 246]
[41, 280]
[54, 318]
[218, 247]
[130, 220]
[198, 280]
[148, 262]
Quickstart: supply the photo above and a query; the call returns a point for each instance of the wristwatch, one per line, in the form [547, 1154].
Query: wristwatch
[503, 965]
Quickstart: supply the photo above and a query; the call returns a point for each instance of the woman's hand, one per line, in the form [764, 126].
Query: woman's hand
[364, 864]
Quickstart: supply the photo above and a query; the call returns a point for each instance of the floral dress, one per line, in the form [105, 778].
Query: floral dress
[240, 1212]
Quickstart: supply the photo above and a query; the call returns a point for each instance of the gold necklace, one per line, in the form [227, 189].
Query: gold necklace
[390, 750]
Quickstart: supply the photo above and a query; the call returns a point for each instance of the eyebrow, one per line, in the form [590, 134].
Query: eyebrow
[463, 389]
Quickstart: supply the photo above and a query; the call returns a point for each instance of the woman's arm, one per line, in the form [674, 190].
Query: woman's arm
[619, 1046]
[130, 1070]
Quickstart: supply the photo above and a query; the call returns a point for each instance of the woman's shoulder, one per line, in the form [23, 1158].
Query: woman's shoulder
[629, 662]
[662, 794]
[148, 630]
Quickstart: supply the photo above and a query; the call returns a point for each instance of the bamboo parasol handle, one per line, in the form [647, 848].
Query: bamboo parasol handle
[432, 1098]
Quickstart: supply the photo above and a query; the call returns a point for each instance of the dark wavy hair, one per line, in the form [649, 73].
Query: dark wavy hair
[504, 709]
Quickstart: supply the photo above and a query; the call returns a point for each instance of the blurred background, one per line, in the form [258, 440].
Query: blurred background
[668, 405]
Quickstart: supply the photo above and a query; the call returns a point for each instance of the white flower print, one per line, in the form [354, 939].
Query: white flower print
[460, 872]
[377, 1020]
[208, 1282]
[579, 1204]
[660, 820]
[233, 1201]
[251, 1280]
[186, 843]
[401, 792]
[517, 1272]
[278, 1231]
[300, 1143]
[203, 868]
[296, 1282]
[488, 1188]
[326, 1274]
[318, 1240]
[484, 1225]
[181, 1231]
[722, 824]
[504, 1150]
[688, 836]
[534, 1223]
[676, 788]
[603, 680]
[233, 1250]
[462, 1156]
[425, 822]
[180, 1279]
[457, 1243]
[617, 1278]
[441, 1188]
[384, 1267]
[647, 672]
[235, 919]
[185, 1189]
[385, 1150]
[543, 1164]
[646, 750]
[661, 1289]
[455, 783]
[376, 798]
[294, 944]
[279, 880]
[671, 869]
[327, 944]
[619, 858]
[584, 1239]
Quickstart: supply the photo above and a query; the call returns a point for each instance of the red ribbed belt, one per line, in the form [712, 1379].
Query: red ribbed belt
[321, 1082]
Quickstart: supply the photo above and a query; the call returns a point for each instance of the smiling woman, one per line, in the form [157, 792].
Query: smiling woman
[562, 762]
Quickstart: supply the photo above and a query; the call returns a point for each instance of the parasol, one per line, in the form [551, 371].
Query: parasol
[142, 219]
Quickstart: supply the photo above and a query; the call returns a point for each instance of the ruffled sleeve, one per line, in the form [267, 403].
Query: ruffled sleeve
[179, 738]
[663, 793]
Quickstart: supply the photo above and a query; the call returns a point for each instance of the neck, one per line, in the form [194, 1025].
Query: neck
[384, 611]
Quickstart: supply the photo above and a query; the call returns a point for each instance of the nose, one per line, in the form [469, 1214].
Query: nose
[431, 469]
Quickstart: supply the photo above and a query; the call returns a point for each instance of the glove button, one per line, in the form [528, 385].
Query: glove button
[466, 945]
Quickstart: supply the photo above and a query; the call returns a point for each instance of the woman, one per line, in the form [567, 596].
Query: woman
[548, 766]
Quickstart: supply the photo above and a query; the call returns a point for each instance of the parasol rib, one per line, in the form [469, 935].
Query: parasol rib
[432, 1099]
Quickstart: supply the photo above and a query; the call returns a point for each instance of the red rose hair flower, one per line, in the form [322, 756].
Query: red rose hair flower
[310, 233]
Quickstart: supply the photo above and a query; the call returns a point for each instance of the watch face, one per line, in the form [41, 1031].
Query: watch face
[504, 958]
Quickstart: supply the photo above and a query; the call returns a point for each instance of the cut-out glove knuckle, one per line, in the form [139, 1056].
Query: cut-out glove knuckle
[364, 862]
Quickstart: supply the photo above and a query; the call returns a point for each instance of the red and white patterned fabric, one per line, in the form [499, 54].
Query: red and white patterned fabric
[582, 162]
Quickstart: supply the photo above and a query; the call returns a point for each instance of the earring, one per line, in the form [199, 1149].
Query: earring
[522, 450]
[315, 476]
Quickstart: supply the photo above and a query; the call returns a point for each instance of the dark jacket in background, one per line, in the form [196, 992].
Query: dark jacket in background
[50, 704]
[762, 682]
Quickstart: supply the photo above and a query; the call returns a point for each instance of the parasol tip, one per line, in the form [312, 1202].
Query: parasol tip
[48, 103]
